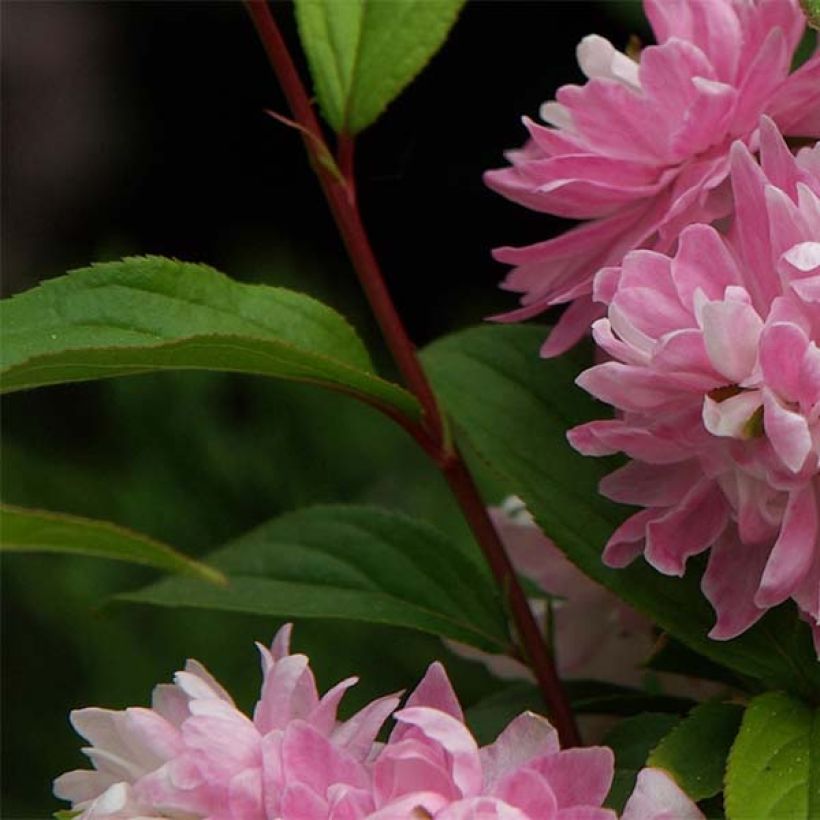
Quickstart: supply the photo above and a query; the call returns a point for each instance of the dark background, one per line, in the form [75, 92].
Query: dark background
[139, 128]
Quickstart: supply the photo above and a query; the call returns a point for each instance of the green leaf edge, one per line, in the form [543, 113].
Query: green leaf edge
[342, 123]
[657, 760]
[402, 399]
[183, 564]
[141, 596]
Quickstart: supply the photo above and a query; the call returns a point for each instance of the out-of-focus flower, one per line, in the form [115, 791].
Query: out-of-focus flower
[193, 754]
[594, 634]
[716, 375]
[642, 149]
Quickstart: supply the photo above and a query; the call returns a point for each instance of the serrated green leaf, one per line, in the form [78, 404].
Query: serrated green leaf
[362, 53]
[695, 751]
[514, 409]
[357, 563]
[25, 530]
[149, 313]
[632, 740]
[774, 765]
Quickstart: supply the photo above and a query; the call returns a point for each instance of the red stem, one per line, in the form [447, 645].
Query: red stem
[341, 199]
[338, 186]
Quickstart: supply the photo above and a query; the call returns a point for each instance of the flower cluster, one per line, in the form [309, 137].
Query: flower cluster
[716, 373]
[642, 149]
[194, 755]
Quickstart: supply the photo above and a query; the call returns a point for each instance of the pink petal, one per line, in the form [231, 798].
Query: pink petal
[750, 229]
[731, 416]
[323, 716]
[650, 485]
[706, 119]
[348, 803]
[358, 734]
[405, 807]
[288, 691]
[598, 58]
[525, 738]
[688, 529]
[658, 797]
[782, 349]
[578, 776]
[585, 813]
[630, 387]
[299, 802]
[482, 808]
[311, 759]
[528, 791]
[683, 352]
[796, 106]
[573, 325]
[776, 158]
[703, 262]
[455, 739]
[281, 642]
[731, 331]
[602, 438]
[614, 119]
[730, 583]
[245, 794]
[767, 71]
[794, 550]
[409, 766]
[627, 542]
[435, 691]
[787, 431]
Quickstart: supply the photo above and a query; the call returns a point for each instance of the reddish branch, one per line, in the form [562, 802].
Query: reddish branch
[336, 179]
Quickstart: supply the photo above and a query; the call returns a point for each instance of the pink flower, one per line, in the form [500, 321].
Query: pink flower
[716, 373]
[642, 149]
[432, 767]
[193, 754]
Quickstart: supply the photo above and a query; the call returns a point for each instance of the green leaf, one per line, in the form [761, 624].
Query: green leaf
[148, 313]
[25, 530]
[358, 563]
[362, 53]
[588, 697]
[695, 751]
[514, 409]
[632, 740]
[774, 765]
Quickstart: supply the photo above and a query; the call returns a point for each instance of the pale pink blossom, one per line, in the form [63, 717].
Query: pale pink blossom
[716, 374]
[193, 754]
[595, 636]
[642, 149]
